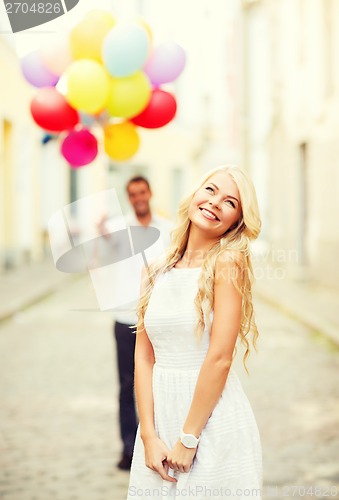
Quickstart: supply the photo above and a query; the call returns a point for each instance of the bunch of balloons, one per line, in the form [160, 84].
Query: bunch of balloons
[104, 76]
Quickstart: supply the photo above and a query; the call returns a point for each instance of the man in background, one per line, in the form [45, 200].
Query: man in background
[139, 195]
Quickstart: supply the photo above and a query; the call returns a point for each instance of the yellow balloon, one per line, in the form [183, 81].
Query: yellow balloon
[121, 140]
[87, 86]
[128, 95]
[87, 36]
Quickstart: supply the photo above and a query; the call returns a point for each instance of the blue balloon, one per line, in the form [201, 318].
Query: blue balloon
[125, 49]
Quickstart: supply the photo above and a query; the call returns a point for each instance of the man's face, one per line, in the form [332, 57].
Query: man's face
[139, 196]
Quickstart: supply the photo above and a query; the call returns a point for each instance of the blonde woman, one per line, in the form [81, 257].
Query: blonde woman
[197, 435]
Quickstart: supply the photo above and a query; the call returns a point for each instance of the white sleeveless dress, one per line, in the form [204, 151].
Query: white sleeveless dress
[228, 462]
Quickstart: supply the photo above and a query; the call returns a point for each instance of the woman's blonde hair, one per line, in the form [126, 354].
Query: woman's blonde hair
[233, 246]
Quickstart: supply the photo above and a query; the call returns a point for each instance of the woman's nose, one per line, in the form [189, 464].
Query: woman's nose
[214, 201]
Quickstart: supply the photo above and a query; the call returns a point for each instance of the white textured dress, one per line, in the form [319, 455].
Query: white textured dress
[228, 462]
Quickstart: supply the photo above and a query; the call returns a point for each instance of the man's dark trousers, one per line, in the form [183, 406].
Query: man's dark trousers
[125, 345]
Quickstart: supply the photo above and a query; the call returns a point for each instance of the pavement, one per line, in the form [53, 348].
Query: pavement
[27, 285]
[312, 304]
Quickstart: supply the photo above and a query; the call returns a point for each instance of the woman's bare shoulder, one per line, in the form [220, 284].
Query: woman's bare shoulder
[229, 257]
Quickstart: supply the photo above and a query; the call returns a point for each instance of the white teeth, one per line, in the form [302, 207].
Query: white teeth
[209, 214]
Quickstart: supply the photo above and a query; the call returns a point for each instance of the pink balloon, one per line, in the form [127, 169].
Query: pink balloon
[79, 148]
[36, 72]
[165, 63]
[56, 55]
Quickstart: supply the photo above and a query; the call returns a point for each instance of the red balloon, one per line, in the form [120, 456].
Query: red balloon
[79, 148]
[51, 111]
[160, 110]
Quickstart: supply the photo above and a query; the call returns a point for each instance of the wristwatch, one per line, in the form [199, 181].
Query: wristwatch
[189, 440]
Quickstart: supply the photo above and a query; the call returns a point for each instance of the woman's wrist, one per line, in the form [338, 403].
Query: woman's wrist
[148, 434]
[192, 429]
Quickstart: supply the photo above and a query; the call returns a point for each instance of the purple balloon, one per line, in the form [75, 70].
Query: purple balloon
[36, 73]
[79, 147]
[165, 63]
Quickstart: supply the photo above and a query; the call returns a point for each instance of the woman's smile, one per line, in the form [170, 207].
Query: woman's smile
[208, 214]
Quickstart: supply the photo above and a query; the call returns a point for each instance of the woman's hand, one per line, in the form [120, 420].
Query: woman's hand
[155, 457]
[181, 458]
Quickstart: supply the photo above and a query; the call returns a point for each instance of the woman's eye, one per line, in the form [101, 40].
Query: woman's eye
[208, 187]
[231, 202]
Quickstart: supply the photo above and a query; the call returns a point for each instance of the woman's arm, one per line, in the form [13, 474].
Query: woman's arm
[155, 450]
[218, 360]
[144, 361]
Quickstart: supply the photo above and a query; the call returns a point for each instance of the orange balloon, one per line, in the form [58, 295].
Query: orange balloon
[121, 140]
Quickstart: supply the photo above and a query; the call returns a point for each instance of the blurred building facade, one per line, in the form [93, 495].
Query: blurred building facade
[291, 137]
[20, 190]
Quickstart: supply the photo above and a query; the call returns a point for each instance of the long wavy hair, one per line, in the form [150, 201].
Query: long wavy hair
[232, 246]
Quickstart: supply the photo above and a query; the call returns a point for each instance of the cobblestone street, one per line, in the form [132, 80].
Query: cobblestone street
[58, 390]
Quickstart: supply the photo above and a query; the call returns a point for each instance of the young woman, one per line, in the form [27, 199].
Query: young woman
[197, 435]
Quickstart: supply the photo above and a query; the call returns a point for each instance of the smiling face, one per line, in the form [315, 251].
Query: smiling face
[215, 206]
[139, 196]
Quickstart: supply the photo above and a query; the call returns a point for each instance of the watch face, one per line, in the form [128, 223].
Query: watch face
[189, 441]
